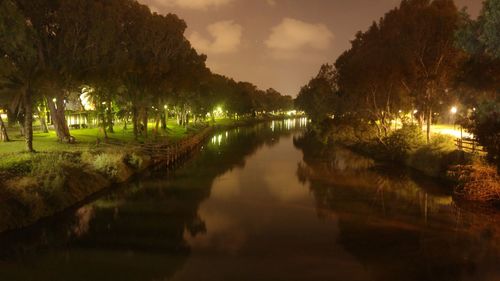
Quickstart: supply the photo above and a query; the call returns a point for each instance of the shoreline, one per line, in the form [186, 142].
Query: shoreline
[30, 198]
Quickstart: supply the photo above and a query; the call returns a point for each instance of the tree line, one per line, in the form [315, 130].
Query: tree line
[131, 63]
[419, 59]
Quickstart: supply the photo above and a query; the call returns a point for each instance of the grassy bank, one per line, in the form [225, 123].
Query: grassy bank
[472, 178]
[59, 176]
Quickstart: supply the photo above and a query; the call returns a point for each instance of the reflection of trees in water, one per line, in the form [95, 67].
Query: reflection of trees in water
[137, 232]
[400, 228]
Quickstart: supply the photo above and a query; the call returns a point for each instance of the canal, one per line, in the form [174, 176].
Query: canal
[263, 203]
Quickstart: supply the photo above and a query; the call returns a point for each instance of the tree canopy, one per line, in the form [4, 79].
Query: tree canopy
[126, 58]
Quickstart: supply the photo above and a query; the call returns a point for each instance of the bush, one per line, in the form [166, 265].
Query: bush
[484, 123]
[442, 142]
[135, 161]
[50, 171]
[108, 164]
[404, 141]
[115, 166]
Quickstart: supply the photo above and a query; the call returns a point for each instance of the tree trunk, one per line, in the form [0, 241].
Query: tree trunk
[110, 119]
[103, 126]
[42, 114]
[3, 131]
[145, 121]
[157, 126]
[43, 124]
[429, 124]
[135, 121]
[59, 120]
[28, 120]
[164, 121]
[21, 124]
[420, 120]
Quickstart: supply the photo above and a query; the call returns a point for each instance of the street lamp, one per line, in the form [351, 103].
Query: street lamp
[453, 112]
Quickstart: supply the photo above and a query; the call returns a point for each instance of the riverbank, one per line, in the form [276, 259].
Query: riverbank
[470, 177]
[39, 185]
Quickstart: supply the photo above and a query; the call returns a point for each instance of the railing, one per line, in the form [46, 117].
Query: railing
[469, 145]
[169, 154]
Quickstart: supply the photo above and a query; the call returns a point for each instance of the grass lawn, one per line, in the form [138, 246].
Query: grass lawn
[14, 151]
[85, 139]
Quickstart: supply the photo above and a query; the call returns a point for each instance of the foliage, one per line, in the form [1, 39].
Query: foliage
[109, 164]
[404, 141]
[129, 60]
[484, 123]
[135, 160]
[481, 35]
[404, 63]
[317, 97]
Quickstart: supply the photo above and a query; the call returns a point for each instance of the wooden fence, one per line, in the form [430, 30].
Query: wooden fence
[170, 154]
[469, 145]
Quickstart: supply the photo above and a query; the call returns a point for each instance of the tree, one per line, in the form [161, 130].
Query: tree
[317, 97]
[19, 54]
[481, 40]
[369, 78]
[481, 35]
[427, 51]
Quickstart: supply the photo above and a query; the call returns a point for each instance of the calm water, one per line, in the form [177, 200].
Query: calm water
[263, 203]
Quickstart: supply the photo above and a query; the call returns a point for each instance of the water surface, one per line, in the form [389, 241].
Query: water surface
[263, 203]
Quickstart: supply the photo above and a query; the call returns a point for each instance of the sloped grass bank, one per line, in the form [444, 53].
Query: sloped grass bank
[35, 186]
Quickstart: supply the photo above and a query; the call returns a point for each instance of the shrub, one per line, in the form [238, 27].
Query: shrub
[51, 173]
[404, 141]
[484, 123]
[442, 142]
[108, 164]
[135, 161]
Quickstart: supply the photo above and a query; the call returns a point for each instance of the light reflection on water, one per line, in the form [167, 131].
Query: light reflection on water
[263, 203]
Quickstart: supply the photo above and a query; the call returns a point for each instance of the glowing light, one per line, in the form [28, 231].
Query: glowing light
[85, 99]
[54, 100]
[454, 110]
[415, 111]
[165, 106]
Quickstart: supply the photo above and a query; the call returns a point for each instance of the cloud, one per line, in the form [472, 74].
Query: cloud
[271, 2]
[292, 37]
[226, 38]
[190, 4]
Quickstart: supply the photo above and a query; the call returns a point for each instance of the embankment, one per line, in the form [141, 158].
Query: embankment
[51, 182]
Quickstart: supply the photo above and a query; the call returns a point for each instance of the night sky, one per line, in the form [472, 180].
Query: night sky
[276, 43]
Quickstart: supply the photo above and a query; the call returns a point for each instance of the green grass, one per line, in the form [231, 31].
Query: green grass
[85, 138]
[13, 153]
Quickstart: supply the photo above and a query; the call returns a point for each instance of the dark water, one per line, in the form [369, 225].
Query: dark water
[263, 203]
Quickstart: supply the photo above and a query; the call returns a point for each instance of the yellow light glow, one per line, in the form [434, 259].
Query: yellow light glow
[454, 110]
[87, 105]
